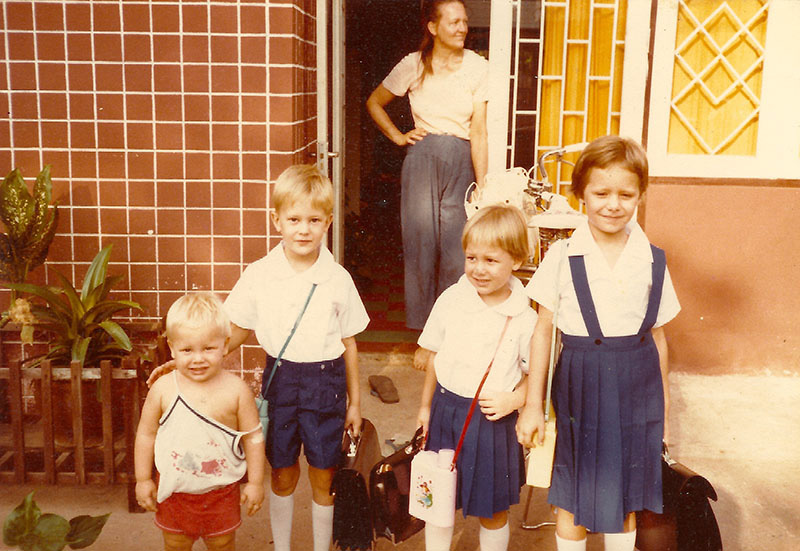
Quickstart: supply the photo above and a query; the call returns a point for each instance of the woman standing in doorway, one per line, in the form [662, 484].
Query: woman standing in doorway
[447, 150]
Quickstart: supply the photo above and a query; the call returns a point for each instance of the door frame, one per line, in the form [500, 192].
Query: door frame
[330, 117]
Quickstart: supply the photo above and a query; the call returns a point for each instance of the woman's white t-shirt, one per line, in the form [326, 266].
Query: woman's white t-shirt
[442, 104]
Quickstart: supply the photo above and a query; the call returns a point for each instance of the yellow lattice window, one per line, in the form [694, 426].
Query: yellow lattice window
[582, 58]
[717, 77]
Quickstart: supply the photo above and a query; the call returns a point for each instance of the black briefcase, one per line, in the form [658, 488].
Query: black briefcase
[352, 519]
[688, 522]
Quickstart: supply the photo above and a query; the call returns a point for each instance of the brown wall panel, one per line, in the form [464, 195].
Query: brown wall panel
[735, 263]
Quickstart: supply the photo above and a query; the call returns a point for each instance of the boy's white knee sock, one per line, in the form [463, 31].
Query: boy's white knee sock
[322, 525]
[623, 541]
[494, 540]
[438, 538]
[570, 545]
[281, 509]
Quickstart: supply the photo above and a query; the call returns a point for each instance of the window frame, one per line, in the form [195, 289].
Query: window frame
[778, 143]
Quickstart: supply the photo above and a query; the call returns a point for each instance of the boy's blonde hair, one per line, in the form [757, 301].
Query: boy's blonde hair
[501, 226]
[201, 310]
[303, 183]
[606, 151]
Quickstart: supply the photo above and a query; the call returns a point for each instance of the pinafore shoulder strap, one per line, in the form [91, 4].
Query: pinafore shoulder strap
[586, 302]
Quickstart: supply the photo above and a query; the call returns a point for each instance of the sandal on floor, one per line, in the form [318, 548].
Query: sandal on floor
[383, 387]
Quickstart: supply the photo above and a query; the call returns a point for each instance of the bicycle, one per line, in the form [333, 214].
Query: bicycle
[550, 216]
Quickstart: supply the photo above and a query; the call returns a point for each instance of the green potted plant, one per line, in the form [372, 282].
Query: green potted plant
[80, 322]
[81, 327]
[29, 529]
[30, 222]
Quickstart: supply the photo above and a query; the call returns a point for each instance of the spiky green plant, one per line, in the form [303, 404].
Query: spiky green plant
[81, 323]
[31, 224]
[29, 529]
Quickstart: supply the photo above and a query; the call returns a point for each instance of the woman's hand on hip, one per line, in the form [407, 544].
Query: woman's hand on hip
[411, 137]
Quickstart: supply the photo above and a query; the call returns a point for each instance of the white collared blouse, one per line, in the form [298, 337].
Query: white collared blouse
[270, 294]
[620, 294]
[464, 332]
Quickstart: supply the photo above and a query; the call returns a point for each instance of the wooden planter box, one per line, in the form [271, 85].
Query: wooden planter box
[29, 452]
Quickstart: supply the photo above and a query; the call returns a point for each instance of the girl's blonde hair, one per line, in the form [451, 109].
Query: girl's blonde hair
[201, 310]
[606, 151]
[501, 226]
[303, 183]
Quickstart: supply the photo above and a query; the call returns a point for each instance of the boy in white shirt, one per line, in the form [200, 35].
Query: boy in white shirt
[318, 372]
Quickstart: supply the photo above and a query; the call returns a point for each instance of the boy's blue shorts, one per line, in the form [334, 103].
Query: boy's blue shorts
[307, 405]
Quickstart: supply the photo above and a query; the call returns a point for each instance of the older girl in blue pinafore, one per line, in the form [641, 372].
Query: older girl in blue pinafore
[609, 392]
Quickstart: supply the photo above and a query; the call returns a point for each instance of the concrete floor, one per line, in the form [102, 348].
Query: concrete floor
[740, 432]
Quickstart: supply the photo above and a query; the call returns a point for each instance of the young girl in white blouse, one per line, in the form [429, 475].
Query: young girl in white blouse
[610, 391]
[463, 331]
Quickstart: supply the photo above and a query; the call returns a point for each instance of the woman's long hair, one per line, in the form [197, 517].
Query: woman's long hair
[431, 13]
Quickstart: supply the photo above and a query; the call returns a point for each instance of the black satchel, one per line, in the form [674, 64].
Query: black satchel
[352, 519]
[688, 522]
[389, 484]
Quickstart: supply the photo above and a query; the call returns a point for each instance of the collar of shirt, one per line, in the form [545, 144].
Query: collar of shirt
[471, 301]
[582, 242]
[319, 272]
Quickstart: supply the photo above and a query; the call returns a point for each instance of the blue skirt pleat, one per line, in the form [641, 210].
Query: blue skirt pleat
[609, 404]
[490, 470]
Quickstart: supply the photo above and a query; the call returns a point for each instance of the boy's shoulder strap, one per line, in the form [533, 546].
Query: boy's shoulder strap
[279, 357]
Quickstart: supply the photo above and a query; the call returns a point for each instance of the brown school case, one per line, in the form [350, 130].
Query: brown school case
[389, 484]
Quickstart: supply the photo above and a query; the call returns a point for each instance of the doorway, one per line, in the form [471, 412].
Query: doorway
[378, 35]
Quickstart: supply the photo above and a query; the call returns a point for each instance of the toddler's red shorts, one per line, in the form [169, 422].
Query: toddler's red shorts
[213, 513]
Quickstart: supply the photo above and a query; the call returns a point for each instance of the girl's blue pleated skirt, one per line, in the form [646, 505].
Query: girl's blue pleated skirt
[490, 469]
[609, 402]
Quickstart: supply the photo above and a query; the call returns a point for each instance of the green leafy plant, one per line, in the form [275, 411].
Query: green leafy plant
[80, 322]
[31, 224]
[29, 529]
[30, 221]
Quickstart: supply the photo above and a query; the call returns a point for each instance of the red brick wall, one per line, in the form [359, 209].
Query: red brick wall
[164, 124]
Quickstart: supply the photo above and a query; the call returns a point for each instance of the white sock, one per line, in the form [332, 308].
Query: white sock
[322, 525]
[494, 540]
[570, 545]
[438, 538]
[281, 509]
[623, 541]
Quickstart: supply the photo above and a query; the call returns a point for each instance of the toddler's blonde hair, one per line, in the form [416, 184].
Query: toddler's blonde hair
[200, 310]
[303, 183]
[501, 226]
